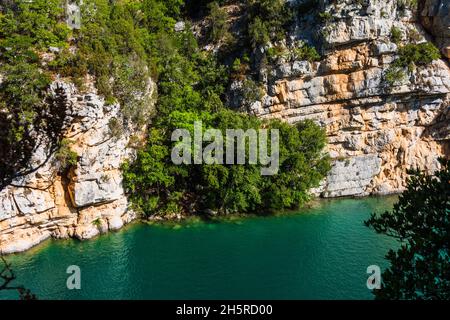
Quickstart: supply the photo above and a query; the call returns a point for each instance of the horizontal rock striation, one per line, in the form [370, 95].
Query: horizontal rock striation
[435, 17]
[376, 130]
[81, 201]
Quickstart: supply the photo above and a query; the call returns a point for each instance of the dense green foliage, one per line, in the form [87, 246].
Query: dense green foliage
[412, 55]
[409, 57]
[123, 44]
[191, 86]
[420, 269]
[218, 23]
[158, 186]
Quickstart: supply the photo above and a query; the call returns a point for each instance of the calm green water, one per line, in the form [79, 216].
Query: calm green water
[321, 253]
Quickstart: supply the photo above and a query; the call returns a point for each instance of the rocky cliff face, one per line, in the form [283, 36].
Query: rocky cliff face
[376, 130]
[85, 199]
[435, 17]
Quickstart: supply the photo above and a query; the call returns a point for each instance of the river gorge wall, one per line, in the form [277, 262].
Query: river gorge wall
[376, 131]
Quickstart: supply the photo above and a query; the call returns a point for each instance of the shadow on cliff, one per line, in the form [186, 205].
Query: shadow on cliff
[16, 157]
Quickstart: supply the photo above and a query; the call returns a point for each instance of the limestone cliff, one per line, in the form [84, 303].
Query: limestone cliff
[84, 200]
[376, 130]
[435, 17]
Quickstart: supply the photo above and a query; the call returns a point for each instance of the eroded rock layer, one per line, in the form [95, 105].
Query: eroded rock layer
[81, 201]
[377, 130]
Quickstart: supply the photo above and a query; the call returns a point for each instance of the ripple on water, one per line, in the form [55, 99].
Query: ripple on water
[320, 253]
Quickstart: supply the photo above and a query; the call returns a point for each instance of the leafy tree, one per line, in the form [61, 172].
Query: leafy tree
[258, 33]
[161, 15]
[277, 16]
[149, 178]
[420, 269]
[409, 57]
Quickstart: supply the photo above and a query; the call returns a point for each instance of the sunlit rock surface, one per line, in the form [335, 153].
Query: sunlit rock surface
[81, 202]
[376, 131]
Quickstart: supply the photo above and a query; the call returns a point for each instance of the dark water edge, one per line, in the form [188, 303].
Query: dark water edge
[319, 253]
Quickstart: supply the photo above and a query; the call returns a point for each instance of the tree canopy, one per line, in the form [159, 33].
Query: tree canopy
[122, 44]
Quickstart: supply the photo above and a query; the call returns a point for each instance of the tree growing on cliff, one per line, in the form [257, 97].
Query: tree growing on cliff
[218, 23]
[420, 269]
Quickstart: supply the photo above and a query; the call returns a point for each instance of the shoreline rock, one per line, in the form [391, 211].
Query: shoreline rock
[82, 202]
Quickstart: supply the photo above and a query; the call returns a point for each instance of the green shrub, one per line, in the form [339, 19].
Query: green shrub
[28, 25]
[259, 33]
[306, 52]
[394, 75]
[410, 56]
[153, 179]
[325, 17]
[396, 35]
[65, 156]
[129, 86]
[407, 4]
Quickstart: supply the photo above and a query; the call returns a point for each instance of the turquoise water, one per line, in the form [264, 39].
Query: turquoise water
[320, 253]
